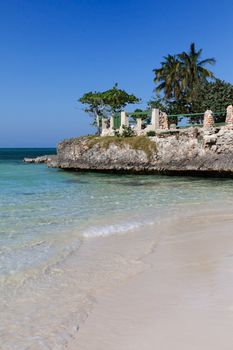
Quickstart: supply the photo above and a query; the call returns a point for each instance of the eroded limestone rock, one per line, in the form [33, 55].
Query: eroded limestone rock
[193, 150]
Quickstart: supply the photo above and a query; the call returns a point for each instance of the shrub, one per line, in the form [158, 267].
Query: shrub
[117, 133]
[151, 133]
[127, 131]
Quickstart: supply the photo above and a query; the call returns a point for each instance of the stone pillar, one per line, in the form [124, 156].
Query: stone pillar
[104, 123]
[139, 124]
[155, 118]
[229, 117]
[124, 119]
[208, 119]
[163, 121]
[111, 122]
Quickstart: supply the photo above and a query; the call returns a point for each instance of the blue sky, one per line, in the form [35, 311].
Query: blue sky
[52, 51]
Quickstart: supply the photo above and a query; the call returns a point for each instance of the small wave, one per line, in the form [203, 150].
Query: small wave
[107, 230]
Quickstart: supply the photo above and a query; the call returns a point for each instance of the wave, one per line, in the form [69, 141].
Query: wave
[107, 230]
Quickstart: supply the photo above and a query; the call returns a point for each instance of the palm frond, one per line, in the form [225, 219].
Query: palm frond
[211, 61]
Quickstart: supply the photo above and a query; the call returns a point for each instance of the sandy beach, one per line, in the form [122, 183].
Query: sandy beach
[181, 297]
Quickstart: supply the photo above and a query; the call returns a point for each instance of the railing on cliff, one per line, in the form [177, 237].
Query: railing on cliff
[181, 120]
[185, 120]
[154, 120]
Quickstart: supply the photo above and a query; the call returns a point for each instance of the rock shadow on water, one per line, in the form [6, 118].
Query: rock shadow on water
[134, 183]
[140, 183]
[28, 193]
[76, 181]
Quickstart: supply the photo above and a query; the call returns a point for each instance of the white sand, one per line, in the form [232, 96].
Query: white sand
[183, 299]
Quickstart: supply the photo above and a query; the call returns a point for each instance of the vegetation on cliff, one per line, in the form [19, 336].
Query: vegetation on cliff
[139, 143]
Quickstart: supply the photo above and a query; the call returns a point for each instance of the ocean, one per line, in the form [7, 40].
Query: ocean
[53, 225]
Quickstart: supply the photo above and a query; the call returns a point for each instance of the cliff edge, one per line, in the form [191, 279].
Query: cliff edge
[196, 151]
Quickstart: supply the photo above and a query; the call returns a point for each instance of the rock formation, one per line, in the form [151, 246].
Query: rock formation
[191, 151]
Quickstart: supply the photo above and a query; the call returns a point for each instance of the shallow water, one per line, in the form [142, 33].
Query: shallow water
[46, 215]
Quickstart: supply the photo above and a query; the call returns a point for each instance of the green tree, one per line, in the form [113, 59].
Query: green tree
[158, 102]
[94, 106]
[167, 105]
[193, 71]
[116, 99]
[167, 77]
[179, 76]
[215, 95]
[107, 103]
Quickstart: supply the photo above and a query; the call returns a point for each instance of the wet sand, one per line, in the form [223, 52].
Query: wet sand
[181, 300]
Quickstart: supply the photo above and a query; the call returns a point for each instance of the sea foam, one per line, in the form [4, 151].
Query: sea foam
[107, 230]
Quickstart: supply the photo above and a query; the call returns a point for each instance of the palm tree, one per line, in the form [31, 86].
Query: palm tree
[180, 75]
[193, 71]
[168, 77]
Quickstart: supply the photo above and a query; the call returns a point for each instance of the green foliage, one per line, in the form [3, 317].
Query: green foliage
[151, 133]
[117, 133]
[127, 131]
[139, 113]
[168, 77]
[94, 106]
[107, 102]
[215, 96]
[193, 72]
[116, 99]
[159, 102]
[168, 106]
[179, 75]
[93, 101]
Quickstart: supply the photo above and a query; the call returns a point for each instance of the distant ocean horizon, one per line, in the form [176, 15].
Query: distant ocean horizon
[19, 152]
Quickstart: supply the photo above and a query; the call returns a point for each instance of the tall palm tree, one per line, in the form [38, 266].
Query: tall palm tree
[193, 71]
[179, 75]
[168, 77]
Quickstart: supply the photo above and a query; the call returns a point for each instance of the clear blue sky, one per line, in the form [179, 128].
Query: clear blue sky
[52, 51]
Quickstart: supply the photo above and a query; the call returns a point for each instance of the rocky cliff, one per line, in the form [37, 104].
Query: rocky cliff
[190, 151]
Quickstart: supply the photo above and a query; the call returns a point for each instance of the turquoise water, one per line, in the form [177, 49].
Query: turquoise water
[47, 216]
[38, 205]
